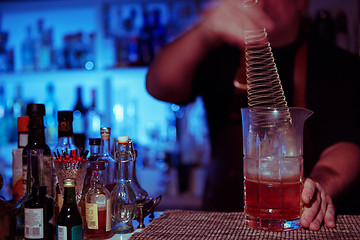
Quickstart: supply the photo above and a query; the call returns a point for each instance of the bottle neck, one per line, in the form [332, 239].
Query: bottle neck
[105, 147]
[69, 195]
[97, 180]
[36, 131]
[65, 129]
[94, 150]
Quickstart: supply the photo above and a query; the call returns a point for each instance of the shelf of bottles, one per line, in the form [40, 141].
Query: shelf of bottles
[92, 57]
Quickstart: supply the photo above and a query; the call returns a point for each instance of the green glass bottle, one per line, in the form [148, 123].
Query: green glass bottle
[69, 223]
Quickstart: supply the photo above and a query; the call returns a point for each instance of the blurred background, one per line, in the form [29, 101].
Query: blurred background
[92, 56]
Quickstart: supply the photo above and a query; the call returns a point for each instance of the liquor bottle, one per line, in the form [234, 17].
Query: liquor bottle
[105, 155]
[94, 153]
[93, 118]
[65, 137]
[69, 223]
[17, 163]
[28, 51]
[18, 109]
[79, 113]
[37, 168]
[38, 212]
[51, 118]
[124, 201]
[97, 204]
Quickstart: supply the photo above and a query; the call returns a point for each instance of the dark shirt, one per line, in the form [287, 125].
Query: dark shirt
[332, 92]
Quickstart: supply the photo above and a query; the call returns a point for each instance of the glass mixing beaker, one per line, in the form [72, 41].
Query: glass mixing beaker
[273, 166]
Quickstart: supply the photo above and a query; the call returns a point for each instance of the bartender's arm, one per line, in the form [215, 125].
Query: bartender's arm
[170, 76]
[338, 167]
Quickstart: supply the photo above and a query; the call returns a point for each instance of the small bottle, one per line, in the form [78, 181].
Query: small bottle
[94, 153]
[69, 223]
[17, 163]
[38, 212]
[97, 204]
[105, 155]
[124, 202]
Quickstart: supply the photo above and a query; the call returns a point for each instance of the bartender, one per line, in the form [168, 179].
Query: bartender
[208, 61]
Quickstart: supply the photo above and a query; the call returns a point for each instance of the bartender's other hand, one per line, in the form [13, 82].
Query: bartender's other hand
[318, 207]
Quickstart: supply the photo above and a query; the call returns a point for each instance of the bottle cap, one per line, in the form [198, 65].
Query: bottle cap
[94, 141]
[65, 115]
[22, 124]
[97, 165]
[33, 109]
[105, 133]
[69, 182]
[123, 139]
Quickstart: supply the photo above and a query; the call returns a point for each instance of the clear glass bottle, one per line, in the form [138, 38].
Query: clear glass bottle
[97, 204]
[124, 200]
[140, 194]
[38, 212]
[69, 222]
[105, 155]
[51, 112]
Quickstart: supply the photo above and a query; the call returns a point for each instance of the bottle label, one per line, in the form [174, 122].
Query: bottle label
[108, 215]
[17, 179]
[76, 232]
[91, 214]
[34, 223]
[61, 233]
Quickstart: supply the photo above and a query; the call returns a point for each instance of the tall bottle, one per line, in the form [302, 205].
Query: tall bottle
[38, 213]
[105, 155]
[94, 154]
[79, 114]
[69, 223]
[93, 118]
[17, 164]
[124, 200]
[51, 118]
[36, 169]
[65, 134]
[17, 110]
[97, 204]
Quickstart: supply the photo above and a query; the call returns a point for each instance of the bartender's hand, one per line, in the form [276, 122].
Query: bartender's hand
[318, 207]
[228, 21]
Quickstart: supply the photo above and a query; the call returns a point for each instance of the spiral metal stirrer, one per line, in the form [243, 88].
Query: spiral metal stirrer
[263, 82]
